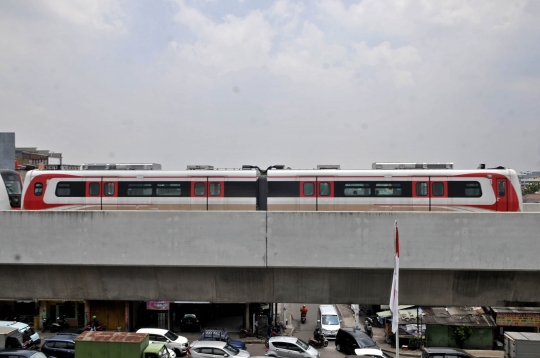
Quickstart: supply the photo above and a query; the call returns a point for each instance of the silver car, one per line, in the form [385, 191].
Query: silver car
[290, 347]
[215, 349]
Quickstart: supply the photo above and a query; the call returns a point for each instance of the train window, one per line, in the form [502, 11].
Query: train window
[309, 189]
[12, 183]
[357, 189]
[215, 189]
[472, 189]
[388, 189]
[71, 189]
[421, 189]
[502, 188]
[437, 189]
[38, 189]
[168, 189]
[200, 189]
[283, 189]
[93, 189]
[139, 189]
[464, 189]
[240, 189]
[324, 189]
[108, 189]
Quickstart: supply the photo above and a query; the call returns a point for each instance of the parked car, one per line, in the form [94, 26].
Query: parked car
[22, 353]
[290, 347]
[23, 328]
[171, 340]
[221, 335]
[441, 352]
[190, 322]
[369, 353]
[349, 339]
[212, 349]
[61, 345]
[18, 340]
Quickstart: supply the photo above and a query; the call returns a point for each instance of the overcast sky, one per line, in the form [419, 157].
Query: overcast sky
[298, 83]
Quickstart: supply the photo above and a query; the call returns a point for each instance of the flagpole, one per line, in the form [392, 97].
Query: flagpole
[394, 295]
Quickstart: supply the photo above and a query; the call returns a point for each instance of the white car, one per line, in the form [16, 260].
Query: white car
[370, 353]
[171, 340]
[215, 349]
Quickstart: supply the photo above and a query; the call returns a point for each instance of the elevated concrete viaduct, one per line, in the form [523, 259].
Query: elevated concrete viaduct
[323, 257]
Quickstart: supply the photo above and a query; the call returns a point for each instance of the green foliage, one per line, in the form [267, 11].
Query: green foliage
[461, 335]
[416, 343]
[531, 188]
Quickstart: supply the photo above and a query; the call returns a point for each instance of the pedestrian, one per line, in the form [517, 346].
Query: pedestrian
[94, 323]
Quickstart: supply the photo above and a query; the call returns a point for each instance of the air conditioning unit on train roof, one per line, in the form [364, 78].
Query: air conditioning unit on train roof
[393, 166]
[120, 166]
[328, 166]
[200, 167]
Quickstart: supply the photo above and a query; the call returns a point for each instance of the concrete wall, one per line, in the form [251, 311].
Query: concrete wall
[531, 207]
[462, 241]
[446, 258]
[7, 150]
[441, 336]
[152, 238]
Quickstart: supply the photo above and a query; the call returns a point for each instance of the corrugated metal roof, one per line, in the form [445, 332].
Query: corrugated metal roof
[457, 316]
[523, 336]
[516, 309]
[403, 310]
[111, 337]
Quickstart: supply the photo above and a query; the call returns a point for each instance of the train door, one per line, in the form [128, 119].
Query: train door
[216, 194]
[438, 194]
[109, 193]
[199, 193]
[93, 194]
[420, 194]
[502, 196]
[325, 194]
[308, 194]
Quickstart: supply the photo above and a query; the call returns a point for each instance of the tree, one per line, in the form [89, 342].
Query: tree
[461, 334]
[531, 188]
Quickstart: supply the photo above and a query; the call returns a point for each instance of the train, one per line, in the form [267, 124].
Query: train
[386, 187]
[11, 190]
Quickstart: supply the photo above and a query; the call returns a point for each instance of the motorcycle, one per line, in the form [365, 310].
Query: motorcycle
[369, 330]
[321, 342]
[303, 317]
[374, 322]
[100, 327]
[60, 324]
[46, 324]
[247, 333]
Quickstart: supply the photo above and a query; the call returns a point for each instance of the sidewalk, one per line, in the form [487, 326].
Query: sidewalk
[347, 316]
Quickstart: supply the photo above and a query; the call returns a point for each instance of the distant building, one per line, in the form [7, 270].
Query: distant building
[532, 198]
[528, 177]
[29, 158]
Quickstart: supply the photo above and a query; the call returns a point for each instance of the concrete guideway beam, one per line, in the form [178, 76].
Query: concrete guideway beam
[326, 257]
[300, 285]
[428, 241]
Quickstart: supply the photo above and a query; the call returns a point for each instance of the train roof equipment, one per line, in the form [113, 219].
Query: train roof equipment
[121, 166]
[200, 167]
[329, 166]
[398, 165]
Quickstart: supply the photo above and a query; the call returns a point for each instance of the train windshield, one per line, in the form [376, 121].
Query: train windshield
[13, 183]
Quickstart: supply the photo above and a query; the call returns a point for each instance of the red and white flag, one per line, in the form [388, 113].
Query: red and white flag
[394, 307]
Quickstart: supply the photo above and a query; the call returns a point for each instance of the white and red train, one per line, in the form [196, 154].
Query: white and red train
[393, 187]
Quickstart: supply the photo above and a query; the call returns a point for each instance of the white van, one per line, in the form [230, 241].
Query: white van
[328, 321]
[23, 327]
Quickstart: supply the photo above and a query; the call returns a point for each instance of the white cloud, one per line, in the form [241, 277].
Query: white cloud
[296, 82]
[103, 15]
